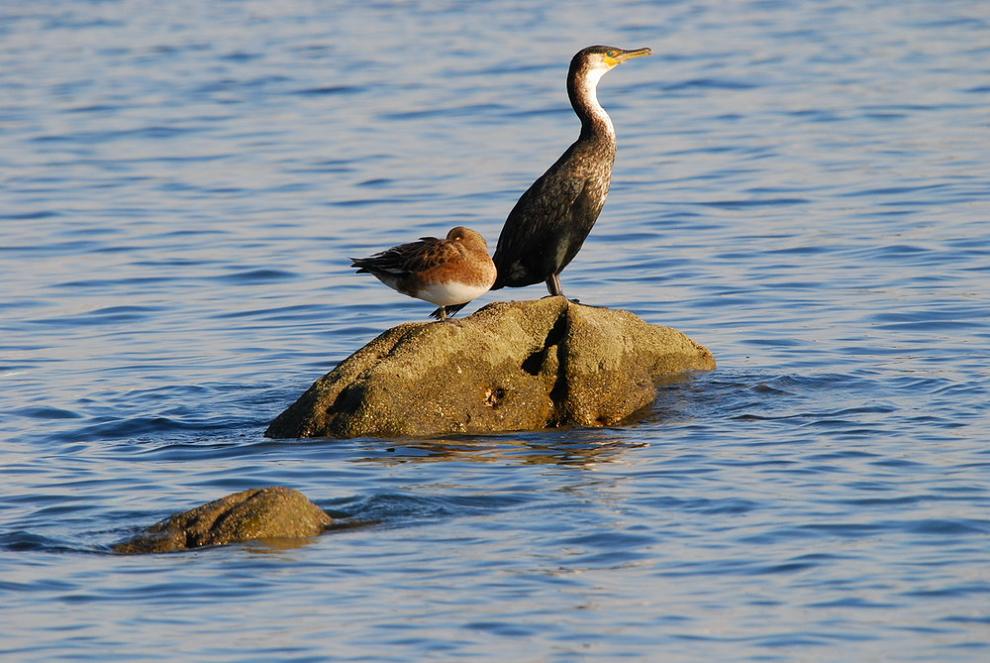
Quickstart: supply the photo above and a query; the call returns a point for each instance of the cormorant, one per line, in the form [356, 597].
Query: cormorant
[549, 223]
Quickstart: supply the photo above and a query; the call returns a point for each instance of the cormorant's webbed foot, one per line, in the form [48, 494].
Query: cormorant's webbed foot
[573, 300]
[590, 305]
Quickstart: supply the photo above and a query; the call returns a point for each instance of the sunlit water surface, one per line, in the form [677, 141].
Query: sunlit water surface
[802, 187]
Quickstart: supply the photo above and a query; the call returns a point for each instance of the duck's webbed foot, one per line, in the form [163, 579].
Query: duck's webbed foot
[445, 312]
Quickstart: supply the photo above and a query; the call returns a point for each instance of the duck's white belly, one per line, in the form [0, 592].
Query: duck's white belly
[447, 294]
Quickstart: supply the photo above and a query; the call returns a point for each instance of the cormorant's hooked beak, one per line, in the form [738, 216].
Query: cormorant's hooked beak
[629, 55]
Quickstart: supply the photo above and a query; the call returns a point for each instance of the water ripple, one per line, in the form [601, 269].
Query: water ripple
[799, 186]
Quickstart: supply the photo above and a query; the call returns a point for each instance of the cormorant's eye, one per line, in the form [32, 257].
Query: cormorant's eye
[612, 53]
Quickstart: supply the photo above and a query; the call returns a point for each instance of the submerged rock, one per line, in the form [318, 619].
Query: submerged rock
[258, 513]
[511, 366]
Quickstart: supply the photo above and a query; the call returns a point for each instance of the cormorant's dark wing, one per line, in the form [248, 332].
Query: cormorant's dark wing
[542, 218]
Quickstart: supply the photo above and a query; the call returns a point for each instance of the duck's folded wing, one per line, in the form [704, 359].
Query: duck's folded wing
[406, 259]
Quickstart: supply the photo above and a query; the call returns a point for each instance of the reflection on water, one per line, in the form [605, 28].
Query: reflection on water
[578, 447]
[801, 187]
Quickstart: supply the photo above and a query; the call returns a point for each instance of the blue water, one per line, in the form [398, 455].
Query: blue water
[802, 187]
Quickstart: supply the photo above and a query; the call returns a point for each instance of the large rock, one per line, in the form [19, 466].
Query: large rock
[510, 366]
[258, 513]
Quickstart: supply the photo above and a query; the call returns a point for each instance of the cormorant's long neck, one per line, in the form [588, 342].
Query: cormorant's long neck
[582, 89]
